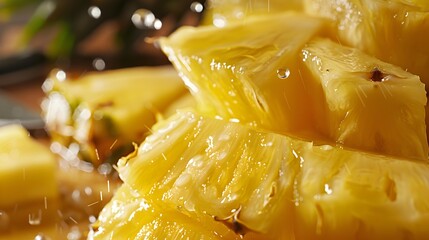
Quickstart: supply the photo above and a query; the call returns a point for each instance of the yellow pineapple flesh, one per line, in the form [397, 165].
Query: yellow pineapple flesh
[28, 169]
[233, 162]
[393, 31]
[249, 71]
[370, 105]
[130, 216]
[278, 186]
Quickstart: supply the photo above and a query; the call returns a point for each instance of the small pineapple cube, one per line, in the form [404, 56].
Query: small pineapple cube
[27, 172]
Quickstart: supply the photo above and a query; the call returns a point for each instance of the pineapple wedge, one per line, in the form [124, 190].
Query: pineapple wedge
[394, 31]
[99, 115]
[278, 186]
[370, 105]
[249, 71]
[28, 169]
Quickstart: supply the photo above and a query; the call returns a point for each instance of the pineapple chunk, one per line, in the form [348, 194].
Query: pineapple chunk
[105, 112]
[370, 105]
[393, 31]
[278, 186]
[28, 169]
[249, 71]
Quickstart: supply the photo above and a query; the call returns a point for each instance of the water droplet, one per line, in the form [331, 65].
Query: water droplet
[76, 195]
[222, 155]
[190, 206]
[219, 20]
[157, 24]
[283, 73]
[197, 161]
[4, 221]
[94, 12]
[92, 219]
[328, 189]
[143, 19]
[105, 169]
[35, 218]
[99, 64]
[183, 180]
[88, 191]
[74, 234]
[41, 236]
[61, 75]
[197, 7]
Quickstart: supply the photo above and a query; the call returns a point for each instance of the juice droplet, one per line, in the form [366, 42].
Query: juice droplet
[41, 236]
[197, 7]
[74, 234]
[35, 218]
[283, 73]
[4, 221]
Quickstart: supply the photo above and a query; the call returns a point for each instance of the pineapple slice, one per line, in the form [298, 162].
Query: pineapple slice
[249, 71]
[27, 172]
[393, 31]
[278, 186]
[370, 105]
[130, 216]
[104, 112]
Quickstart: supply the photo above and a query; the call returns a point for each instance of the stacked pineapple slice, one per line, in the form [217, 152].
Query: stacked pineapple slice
[294, 137]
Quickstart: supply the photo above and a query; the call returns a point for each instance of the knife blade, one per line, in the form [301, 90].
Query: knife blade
[13, 112]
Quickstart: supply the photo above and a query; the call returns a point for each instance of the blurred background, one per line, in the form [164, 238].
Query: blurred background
[36, 35]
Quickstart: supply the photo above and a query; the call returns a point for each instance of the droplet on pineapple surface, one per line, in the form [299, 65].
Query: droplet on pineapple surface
[4, 221]
[328, 189]
[74, 234]
[61, 75]
[35, 218]
[183, 180]
[197, 7]
[41, 236]
[283, 73]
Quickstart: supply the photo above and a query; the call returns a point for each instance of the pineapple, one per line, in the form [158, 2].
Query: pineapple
[130, 216]
[28, 169]
[392, 31]
[370, 105]
[267, 186]
[28, 181]
[249, 71]
[99, 115]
